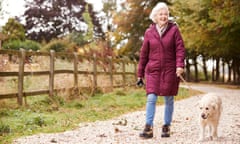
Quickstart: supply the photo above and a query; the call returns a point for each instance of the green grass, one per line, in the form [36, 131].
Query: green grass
[45, 115]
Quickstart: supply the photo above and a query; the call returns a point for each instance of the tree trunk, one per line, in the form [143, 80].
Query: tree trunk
[234, 71]
[238, 70]
[229, 71]
[223, 71]
[188, 70]
[217, 69]
[196, 69]
[205, 69]
[213, 71]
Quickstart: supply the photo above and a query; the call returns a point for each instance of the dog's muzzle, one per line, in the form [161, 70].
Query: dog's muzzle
[204, 116]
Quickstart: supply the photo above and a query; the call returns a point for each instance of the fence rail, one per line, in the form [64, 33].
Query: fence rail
[21, 73]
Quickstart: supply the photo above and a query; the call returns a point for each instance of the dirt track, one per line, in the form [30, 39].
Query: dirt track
[126, 128]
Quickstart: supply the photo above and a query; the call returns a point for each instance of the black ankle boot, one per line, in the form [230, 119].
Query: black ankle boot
[165, 131]
[147, 132]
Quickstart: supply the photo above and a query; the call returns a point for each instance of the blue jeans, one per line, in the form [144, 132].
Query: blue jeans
[151, 107]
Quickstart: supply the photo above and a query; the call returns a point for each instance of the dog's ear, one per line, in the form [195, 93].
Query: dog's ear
[214, 106]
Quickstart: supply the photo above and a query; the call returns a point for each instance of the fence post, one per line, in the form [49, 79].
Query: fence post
[22, 55]
[111, 71]
[75, 70]
[51, 73]
[135, 70]
[124, 73]
[94, 73]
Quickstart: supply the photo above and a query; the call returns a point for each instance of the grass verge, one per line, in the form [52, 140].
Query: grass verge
[45, 115]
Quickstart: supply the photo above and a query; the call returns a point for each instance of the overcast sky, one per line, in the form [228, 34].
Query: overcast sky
[11, 8]
[14, 8]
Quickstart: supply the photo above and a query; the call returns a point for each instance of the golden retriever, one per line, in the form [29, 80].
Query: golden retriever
[210, 111]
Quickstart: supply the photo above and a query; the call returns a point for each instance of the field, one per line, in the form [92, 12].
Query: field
[45, 115]
[42, 114]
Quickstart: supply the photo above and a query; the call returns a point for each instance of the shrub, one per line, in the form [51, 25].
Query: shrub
[58, 45]
[17, 44]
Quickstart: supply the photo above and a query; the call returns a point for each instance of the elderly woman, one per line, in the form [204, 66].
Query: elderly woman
[161, 63]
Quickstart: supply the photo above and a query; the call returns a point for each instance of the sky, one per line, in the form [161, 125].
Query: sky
[16, 8]
[12, 9]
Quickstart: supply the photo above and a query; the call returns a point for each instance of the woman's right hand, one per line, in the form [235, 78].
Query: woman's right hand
[140, 82]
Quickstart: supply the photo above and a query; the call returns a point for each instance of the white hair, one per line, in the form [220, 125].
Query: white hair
[159, 6]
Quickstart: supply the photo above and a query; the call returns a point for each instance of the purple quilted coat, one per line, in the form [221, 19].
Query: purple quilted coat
[159, 58]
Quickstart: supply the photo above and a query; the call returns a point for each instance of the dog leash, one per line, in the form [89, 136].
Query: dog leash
[185, 82]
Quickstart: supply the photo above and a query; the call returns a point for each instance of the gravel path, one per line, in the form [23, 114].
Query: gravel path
[126, 128]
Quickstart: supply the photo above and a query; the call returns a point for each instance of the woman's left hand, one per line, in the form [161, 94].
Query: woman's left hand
[179, 71]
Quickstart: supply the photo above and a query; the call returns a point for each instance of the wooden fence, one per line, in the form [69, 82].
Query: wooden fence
[23, 55]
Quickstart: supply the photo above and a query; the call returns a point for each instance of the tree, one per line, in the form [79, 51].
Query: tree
[211, 29]
[109, 8]
[82, 39]
[0, 28]
[50, 19]
[131, 22]
[189, 15]
[222, 27]
[1, 7]
[13, 30]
